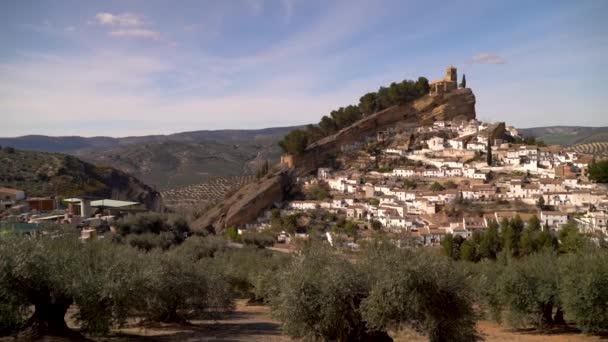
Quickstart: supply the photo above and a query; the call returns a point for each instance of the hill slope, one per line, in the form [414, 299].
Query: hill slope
[45, 174]
[567, 135]
[172, 164]
[169, 161]
[73, 144]
[251, 200]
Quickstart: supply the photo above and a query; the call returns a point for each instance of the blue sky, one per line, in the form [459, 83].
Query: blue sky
[134, 67]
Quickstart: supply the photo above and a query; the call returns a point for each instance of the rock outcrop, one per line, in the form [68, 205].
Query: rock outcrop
[56, 174]
[122, 186]
[247, 204]
[250, 201]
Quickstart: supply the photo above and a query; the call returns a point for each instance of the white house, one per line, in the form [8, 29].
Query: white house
[404, 172]
[457, 144]
[304, 205]
[477, 146]
[554, 219]
[323, 173]
[435, 143]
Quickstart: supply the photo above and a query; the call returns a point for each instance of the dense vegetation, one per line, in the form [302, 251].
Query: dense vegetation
[397, 93]
[323, 296]
[318, 293]
[534, 277]
[598, 171]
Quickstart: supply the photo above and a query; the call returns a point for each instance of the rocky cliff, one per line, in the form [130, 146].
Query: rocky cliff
[249, 202]
[56, 174]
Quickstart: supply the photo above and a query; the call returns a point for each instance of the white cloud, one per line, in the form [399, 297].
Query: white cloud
[124, 19]
[135, 33]
[70, 29]
[486, 58]
[114, 87]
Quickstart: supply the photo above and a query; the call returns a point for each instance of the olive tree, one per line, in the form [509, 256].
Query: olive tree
[584, 289]
[530, 289]
[320, 297]
[50, 273]
[252, 272]
[179, 288]
[419, 290]
[486, 276]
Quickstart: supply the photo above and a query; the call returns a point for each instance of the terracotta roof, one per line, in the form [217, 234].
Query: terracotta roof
[10, 191]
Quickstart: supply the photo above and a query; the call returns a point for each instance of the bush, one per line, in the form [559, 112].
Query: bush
[149, 241]
[250, 271]
[584, 289]
[319, 298]
[47, 273]
[486, 283]
[180, 288]
[259, 240]
[324, 296]
[153, 230]
[143, 223]
[598, 171]
[530, 289]
[420, 290]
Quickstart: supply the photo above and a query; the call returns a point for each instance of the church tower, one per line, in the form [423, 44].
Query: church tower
[450, 74]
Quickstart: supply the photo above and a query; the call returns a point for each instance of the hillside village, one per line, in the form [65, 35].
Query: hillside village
[447, 177]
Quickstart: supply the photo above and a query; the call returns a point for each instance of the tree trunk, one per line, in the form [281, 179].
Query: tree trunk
[559, 316]
[547, 314]
[362, 335]
[171, 316]
[376, 336]
[49, 318]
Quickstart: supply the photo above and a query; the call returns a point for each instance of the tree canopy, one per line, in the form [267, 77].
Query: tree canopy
[397, 93]
[598, 171]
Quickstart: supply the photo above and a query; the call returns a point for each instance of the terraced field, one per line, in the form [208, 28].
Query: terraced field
[201, 194]
[598, 149]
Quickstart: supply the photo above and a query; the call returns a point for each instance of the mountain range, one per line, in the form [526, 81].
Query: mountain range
[181, 159]
[169, 161]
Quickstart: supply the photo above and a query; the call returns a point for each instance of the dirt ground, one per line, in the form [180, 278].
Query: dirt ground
[253, 323]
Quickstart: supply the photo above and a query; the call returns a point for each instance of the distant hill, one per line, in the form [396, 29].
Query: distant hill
[597, 149]
[172, 164]
[72, 144]
[567, 135]
[169, 161]
[47, 174]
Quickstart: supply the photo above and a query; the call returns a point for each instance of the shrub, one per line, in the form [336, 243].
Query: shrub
[259, 240]
[530, 289]
[319, 298]
[149, 241]
[179, 288]
[324, 296]
[420, 290]
[47, 273]
[584, 289]
[250, 270]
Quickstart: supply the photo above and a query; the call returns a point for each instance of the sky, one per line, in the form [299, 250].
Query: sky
[136, 67]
